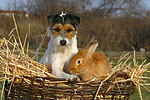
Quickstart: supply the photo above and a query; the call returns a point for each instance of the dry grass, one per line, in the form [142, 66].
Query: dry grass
[136, 72]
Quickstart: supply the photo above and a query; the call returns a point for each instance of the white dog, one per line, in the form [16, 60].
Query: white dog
[63, 43]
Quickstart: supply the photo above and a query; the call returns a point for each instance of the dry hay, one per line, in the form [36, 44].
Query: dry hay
[16, 65]
[30, 79]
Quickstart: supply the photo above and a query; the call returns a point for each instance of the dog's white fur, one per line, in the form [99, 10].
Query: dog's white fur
[59, 55]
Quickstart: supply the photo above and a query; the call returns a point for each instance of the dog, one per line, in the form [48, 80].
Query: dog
[62, 46]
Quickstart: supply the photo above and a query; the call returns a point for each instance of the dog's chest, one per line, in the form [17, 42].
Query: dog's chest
[63, 56]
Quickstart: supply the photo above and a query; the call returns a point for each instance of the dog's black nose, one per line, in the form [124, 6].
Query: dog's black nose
[63, 42]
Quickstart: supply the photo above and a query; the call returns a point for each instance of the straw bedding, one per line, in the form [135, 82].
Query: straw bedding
[25, 79]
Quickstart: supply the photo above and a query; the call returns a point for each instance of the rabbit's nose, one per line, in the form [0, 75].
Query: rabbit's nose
[63, 42]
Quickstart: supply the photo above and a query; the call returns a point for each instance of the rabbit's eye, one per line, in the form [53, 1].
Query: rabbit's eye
[79, 62]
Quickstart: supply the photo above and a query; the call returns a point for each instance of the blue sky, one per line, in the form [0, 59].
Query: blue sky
[4, 5]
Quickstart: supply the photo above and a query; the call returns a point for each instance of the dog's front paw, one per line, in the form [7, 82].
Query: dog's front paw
[72, 78]
[66, 76]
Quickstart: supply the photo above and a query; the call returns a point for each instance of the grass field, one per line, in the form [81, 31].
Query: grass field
[145, 94]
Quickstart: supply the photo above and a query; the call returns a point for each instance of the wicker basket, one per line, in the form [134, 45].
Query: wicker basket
[47, 88]
[30, 80]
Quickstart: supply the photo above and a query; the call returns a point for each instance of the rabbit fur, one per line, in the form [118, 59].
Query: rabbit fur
[89, 64]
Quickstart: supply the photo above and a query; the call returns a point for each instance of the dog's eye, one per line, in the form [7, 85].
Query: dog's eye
[57, 29]
[79, 61]
[69, 30]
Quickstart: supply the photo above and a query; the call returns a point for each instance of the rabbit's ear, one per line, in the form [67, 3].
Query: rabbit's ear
[92, 49]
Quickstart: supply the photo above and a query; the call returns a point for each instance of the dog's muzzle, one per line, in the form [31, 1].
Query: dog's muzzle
[63, 42]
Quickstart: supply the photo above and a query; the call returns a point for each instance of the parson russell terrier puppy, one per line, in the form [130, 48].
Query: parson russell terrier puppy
[63, 43]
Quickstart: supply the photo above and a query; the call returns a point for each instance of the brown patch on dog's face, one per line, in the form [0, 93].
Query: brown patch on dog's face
[56, 29]
[66, 30]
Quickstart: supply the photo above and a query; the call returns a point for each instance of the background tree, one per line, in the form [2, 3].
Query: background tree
[115, 24]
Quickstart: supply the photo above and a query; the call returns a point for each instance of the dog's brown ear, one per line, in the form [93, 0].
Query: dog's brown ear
[50, 19]
[76, 20]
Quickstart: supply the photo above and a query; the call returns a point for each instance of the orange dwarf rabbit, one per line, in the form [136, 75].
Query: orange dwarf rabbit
[89, 64]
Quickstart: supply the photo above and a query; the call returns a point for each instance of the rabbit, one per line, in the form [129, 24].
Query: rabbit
[89, 64]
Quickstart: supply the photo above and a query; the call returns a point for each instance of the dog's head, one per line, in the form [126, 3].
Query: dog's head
[63, 28]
